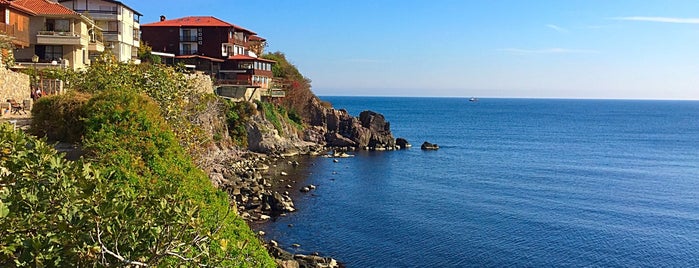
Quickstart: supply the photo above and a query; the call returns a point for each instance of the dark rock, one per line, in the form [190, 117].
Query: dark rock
[315, 261]
[279, 203]
[402, 143]
[429, 146]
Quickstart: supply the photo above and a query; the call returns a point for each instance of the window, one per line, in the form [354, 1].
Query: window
[49, 53]
[113, 26]
[244, 65]
[186, 49]
[58, 25]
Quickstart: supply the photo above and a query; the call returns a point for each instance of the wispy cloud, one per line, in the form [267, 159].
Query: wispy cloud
[557, 28]
[661, 19]
[555, 50]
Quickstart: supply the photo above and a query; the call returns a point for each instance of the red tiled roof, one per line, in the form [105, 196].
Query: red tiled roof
[195, 21]
[245, 57]
[43, 7]
[198, 56]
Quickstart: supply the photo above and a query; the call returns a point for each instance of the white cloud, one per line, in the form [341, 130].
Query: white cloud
[548, 51]
[557, 28]
[661, 19]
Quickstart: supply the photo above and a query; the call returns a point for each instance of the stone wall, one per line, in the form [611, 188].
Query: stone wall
[14, 85]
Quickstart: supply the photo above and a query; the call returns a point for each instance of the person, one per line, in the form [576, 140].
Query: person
[38, 93]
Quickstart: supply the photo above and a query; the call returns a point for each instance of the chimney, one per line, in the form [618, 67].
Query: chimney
[162, 17]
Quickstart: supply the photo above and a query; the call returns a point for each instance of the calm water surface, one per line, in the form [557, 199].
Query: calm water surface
[517, 182]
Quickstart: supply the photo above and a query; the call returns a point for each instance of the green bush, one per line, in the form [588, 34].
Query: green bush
[58, 117]
[272, 115]
[45, 211]
[237, 116]
[125, 133]
[152, 206]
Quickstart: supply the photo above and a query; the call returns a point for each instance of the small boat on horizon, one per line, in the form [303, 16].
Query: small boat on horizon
[473, 99]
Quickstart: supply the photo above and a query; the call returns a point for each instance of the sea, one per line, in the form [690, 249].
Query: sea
[515, 183]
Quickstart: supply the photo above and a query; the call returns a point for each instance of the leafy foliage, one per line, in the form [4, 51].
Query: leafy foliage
[125, 133]
[237, 116]
[298, 88]
[169, 87]
[7, 58]
[145, 54]
[152, 206]
[58, 117]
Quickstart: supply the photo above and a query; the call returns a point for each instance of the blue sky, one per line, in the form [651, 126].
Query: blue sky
[644, 49]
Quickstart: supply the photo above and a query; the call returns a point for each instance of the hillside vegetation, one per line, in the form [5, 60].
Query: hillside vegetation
[136, 197]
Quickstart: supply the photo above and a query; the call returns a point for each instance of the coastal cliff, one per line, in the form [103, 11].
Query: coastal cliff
[156, 127]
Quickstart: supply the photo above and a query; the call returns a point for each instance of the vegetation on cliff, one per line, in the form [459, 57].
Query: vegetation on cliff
[136, 197]
[300, 100]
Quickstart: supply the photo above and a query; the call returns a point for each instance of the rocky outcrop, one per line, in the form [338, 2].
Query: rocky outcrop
[402, 143]
[370, 131]
[429, 146]
[286, 259]
[264, 138]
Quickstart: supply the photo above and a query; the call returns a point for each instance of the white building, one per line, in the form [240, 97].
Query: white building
[119, 23]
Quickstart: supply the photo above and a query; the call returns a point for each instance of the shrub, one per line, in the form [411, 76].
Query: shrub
[125, 132]
[141, 201]
[237, 116]
[58, 117]
[272, 115]
[45, 216]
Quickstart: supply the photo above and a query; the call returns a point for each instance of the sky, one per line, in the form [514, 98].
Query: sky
[621, 49]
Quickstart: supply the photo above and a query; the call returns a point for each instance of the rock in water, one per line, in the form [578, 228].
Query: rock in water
[403, 143]
[429, 146]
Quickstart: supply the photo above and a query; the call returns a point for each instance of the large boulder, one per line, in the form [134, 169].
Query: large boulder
[402, 143]
[429, 146]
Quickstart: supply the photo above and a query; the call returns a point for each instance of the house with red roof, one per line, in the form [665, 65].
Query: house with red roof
[14, 23]
[216, 47]
[120, 25]
[58, 36]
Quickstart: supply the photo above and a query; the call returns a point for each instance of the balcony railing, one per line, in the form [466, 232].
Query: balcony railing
[238, 82]
[58, 38]
[100, 14]
[19, 37]
[188, 38]
[274, 93]
[188, 52]
[90, 11]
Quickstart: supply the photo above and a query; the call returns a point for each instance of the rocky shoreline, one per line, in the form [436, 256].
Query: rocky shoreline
[261, 181]
[261, 186]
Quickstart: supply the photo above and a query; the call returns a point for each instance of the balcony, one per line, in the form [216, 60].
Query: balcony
[112, 36]
[58, 38]
[233, 82]
[188, 38]
[274, 93]
[188, 52]
[95, 46]
[100, 14]
[20, 38]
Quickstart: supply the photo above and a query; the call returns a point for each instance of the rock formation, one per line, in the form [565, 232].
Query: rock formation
[369, 131]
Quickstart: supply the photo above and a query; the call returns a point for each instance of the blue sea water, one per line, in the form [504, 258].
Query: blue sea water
[517, 182]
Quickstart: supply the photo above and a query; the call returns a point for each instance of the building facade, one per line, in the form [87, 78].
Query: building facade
[14, 23]
[120, 25]
[58, 37]
[216, 47]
